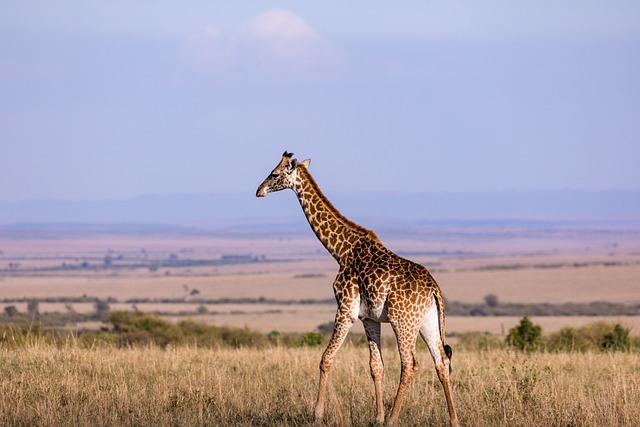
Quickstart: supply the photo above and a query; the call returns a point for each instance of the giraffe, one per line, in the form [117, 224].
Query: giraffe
[373, 284]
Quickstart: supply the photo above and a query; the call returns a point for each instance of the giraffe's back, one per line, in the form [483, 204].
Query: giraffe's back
[389, 284]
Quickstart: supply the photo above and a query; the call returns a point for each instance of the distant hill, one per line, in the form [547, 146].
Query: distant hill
[245, 210]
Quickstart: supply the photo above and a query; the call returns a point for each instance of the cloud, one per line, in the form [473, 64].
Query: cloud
[274, 43]
[209, 49]
[280, 25]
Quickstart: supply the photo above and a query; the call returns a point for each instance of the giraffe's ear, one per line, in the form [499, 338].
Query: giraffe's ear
[306, 163]
[291, 166]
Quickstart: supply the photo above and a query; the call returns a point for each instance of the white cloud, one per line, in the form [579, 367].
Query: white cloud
[209, 49]
[274, 43]
[280, 24]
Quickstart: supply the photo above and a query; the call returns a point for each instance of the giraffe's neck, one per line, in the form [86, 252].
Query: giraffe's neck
[337, 233]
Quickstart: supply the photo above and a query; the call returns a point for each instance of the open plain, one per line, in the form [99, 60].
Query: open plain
[282, 281]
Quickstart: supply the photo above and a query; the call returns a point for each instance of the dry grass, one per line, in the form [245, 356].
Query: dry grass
[45, 385]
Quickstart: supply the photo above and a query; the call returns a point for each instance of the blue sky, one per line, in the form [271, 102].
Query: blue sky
[111, 100]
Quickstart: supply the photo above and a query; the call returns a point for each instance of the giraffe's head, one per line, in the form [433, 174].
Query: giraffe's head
[283, 176]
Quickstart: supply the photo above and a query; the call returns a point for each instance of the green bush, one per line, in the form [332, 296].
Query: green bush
[525, 336]
[311, 339]
[595, 332]
[136, 321]
[140, 328]
[569, 340]
[11, 310]
[617, 340]
[123, 329]
[102, 309]
[241, 337]
[491, 300]
[591, 337]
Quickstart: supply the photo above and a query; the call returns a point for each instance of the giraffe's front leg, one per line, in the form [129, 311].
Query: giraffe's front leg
[345, 318]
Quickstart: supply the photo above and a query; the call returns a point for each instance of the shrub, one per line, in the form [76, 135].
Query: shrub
[491, 300]
[33, 307]
[311, 339]
[526, 335]
[241, 337]
[617, 340]
[135, 328]
[288, 339]
[137, 321]
[569, 339]
[11, 310]
[591, 337]
[595, 332]
[102, 308]
[139, 328]
[274, 337]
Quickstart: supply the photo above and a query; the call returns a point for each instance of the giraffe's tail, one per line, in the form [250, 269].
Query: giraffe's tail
[447, 348]
[449, 353]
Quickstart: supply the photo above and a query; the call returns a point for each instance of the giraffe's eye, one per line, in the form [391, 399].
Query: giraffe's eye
[274, 175]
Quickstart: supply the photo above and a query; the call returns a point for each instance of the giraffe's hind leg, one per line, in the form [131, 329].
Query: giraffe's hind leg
[441, 354]
[406, 337]
[372, 330]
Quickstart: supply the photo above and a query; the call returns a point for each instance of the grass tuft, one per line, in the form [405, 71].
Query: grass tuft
[45, 383]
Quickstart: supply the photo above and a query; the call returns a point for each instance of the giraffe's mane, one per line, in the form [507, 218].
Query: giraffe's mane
[332, 209]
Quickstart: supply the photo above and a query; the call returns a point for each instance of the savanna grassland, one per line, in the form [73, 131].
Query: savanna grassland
[43, 384]
[73, 280]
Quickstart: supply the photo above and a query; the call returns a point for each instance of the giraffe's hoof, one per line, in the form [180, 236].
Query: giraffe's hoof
[318, 415]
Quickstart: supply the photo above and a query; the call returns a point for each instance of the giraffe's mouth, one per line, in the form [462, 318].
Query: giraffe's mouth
[262, 191]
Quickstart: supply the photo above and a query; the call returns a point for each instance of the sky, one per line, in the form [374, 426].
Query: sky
[112, 100]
